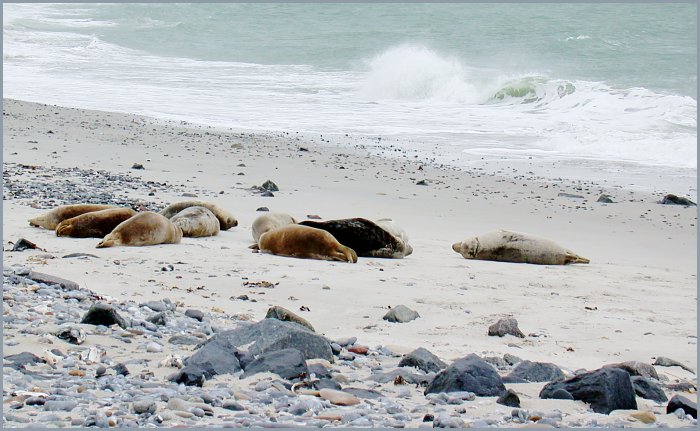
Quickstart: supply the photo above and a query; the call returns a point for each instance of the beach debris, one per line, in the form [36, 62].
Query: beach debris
[471, 374]
[281, 313]
[401, 314]
[509, 398]
[422, 359]
[137, 166]
[73, 335]
[503, 327]
[73, 255]
[92, 355]
[24, 244]
[537, 372]
[605, 199]
[670, 199]
[648, 389]
[663, 361]
[103, 314]
[683, 403]
[605, 389]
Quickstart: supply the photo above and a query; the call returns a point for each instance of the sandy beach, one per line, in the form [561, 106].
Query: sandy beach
[635, 301]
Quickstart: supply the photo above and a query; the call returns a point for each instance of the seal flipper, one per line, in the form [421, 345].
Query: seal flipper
[574, 258]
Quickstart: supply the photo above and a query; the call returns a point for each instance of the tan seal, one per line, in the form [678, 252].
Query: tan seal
[269, 221]
[51, 219]
[506, 246]
[305, 242]
[226, 219]
[95, 224]
[146, 228]
[196, 222]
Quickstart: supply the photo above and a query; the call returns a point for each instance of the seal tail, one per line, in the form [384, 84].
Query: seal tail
[574, 258]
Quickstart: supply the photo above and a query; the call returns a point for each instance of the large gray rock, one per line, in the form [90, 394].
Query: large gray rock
[605, 389]
[537, 372]
[217, 356]
[401, 314]
[286, 363]
[271, 334]
[681, 402]
[636, 368]
[648, 389]
[468, 374]
[423, 360]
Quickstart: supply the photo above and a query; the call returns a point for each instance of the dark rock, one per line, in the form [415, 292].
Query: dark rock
[668, 362]
[35, 401]
[401, 314]
[121, 369]
[286, 363]
[504, 327]
[676, 200]
[281, 313]
[509, 398]
[511, 359]
[648, 389]
[537, 371]
[189, 195]
[19, 360]
[496, 361]
[363, 393]
[184, 339]
[423, 360]
[681, 402]
[100, 371]
[267, 194]
[137, 166]
[232, 405]
[73, 335]
[53, 280]
[195, 314]
[215, 357]
[159, 319]
[24, 244]
[468, 374]
[513, 379]
[402, 375]
[325, 384]
[605, 389]
[263, 209]
[421, 183]
[103, 314]
[561, 394]
[336, 348]
[190, 375]
[428, 417]
[159, 306]
[313, 217]
[319, 371]
[636, 368]
[272, 334]
[270, 186]
[605, 199]
[570, 195]
[71, 255]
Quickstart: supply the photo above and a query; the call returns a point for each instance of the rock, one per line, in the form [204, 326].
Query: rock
[648, 389]
[184, 339]
[270, 186]
[504, 327]
[103, 314]
[681, 402]
[339, 398]
[667, 362]
[189, 195]
[121, 369]
[24, 244]
[644, 417]
[421, 183]
[511, 359]
[159, 319]
[154, 347]
[636, 368]
[570, 195]
[537, 372]
[402, 375]
[605, 389]
[159, 306]
[345, 342]
[422, 359]
[54, 406]
[509, 398]
[232, 405]
[137, 166]
[359, 349]
[401, 314]
[670, 199]
[605, 199]
[267, 194]
[286, 363]
[144, 405]
[19, 360]
[281, 313]
[320, 371]
[263, 209]
[471, 374]
[273, 334]
[363, 393]
[190, 375]
[446, 421]
[325, 384]
[72, 255]
[195, 314]
[40, 277]
[214, 357]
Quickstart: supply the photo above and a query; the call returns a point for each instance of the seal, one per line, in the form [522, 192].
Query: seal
[51, 219]
[146, 228]
[226, 219]
[364, 236]
[196, 222]
[506, 246]
[269, 221]
[305, 242]
[95, 224]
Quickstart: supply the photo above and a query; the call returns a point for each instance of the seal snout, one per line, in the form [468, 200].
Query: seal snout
[456, 246]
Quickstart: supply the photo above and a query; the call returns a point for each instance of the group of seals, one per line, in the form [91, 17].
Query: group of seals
[124, 226]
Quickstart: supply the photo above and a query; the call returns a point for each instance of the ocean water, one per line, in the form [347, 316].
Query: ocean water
[612, 83]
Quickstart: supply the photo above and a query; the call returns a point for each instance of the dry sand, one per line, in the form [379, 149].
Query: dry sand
[636, 300]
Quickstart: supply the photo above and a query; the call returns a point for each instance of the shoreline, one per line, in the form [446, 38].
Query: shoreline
[631, 303]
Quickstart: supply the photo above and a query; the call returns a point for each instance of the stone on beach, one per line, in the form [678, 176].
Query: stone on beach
[503, 327]
[648, 389]
[681, 402]
[281, 313]
[286, 363]
[537, 371]
[103, 314]
[401, 314]
[470, 373]
[422, 359]
[339, 398]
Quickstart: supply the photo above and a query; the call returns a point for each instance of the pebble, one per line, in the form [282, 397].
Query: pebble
[154, 347]
[145, 405]
[339, 397]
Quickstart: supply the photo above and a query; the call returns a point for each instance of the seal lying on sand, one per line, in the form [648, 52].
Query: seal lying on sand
[269, 221]
[367, 238]
[51, 219]
[505, 246]
[95, 224]
[196, 222]
[146, 228]
[305, 242]
[226, 219]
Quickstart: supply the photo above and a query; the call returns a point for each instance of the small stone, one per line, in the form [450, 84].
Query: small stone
[190, 375]
[76, 373]
[100, 371]
[339, 398]
[270, 186]
[137, 166]
[421, 183]
[681, 402]
[504, 327]
[267, 194]
[103, 314]
[144, 405]
[121, 369]
[189, 195]
[154, 347]
[570, 195]
[53, 406]
[605, 199]
[349, 341]
[35, 401]
[422, 359]
[195, 314]
[359, 349]
[262, 209]
[644, 417]
[401, 314]
[232, 405]
[281, 313]
[670, 199]
[509, 398]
